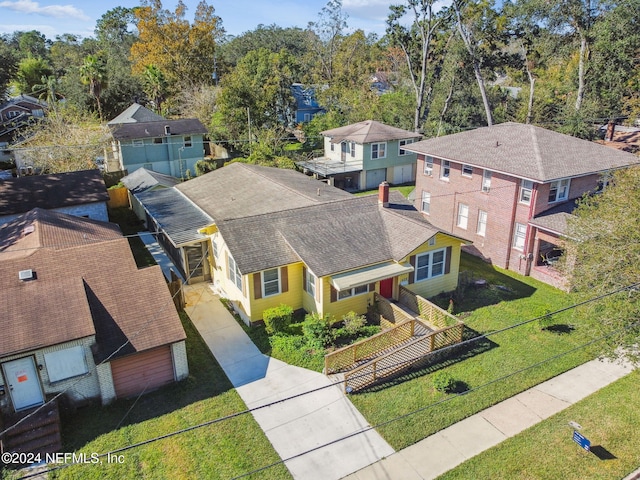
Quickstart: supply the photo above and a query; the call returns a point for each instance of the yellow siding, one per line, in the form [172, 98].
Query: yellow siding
[358, 303]
[219, 275]
[443, 283]
[292, 297]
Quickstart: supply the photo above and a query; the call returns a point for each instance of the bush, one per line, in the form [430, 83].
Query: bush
[443, 381]
[317, 330]
[353, 323]
[277, 319]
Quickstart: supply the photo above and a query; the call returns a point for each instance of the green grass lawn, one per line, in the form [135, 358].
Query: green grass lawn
[222, 450]
[609, 419]
[405, 190]
[507, 300]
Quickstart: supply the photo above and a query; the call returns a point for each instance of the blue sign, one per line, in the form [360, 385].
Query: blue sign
[581, 440]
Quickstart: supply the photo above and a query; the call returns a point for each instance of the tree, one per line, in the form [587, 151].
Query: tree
[30, 72]
[607, 258]
[93, 73]
[324, 39]
[8, 66]
[155, 86]
[48, 91]
[32, 44]
[416, 43]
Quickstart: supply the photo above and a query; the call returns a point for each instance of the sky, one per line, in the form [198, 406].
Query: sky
[78, 17]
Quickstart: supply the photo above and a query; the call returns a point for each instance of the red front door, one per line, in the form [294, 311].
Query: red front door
[386, 287]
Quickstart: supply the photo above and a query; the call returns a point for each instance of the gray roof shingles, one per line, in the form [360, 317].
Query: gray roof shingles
[525, 151]
[368, 131]
[138, 130]
[143, 179]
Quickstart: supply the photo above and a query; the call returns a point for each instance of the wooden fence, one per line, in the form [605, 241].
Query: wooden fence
[427, 311]
[177, 293]
[118, 197]
[417, 351]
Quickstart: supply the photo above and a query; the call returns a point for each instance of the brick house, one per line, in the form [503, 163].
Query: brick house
[510, 188]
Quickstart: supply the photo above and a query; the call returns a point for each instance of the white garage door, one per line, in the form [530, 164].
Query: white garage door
[376, 177]
[403, 174]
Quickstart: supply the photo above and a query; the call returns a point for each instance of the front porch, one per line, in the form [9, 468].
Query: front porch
[36, 430]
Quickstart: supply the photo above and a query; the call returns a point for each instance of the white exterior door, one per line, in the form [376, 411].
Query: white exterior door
[24, 385]
[403, 174]
[376, 177]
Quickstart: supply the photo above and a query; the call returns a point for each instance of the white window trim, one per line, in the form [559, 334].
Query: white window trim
[467, 175]
[517, 236]
[66, 363]
[428, 166]
[352, 292]
[187, 143]
[481, 229]
[462, 221]
[234, 273]
[523, 189]
[263, 283]
[558, 184]
[214, 243]
[486, 180]
[352, 147]
[425, 196]
[445, 165]
[402, 143]
[137, 142]
[307, 283]
[378, 157]
[430, 265]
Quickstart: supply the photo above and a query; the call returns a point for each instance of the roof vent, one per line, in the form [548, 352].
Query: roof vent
[28, 229]
[25, 275]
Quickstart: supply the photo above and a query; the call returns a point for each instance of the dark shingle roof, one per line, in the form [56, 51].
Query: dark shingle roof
[143, 179]
[329, 238]
[241, 190]
[368, 131]
[135, 113]
[72, 296]
[175, 214]
[19, 195]
[129, 131]
[555, 219]
[525, 151]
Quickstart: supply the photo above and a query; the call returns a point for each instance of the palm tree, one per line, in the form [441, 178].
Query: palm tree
[154, 85]
[47, 90]
[93, 73]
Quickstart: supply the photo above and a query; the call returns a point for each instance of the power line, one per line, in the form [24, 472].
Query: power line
[448, 347]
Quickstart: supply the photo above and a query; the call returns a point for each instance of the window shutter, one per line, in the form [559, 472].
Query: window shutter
[257, 286]
[284, 279]
[447, 260]
[318, 287]
[334, 294]
[412, 275]
[304, 278]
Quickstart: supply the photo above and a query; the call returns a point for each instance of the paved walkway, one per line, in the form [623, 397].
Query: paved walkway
[297, 425]
[450, 447]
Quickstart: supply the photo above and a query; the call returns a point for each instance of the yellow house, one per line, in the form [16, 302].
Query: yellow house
[306, 246]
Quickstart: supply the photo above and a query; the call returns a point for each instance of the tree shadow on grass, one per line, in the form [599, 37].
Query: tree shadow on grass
[560, 329]
[438, 360]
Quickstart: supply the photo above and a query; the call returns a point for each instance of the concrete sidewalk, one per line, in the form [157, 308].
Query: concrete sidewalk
[450, 447]
[293, 426]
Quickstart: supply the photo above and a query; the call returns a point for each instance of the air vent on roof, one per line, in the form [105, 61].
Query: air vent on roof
[29, 229]
[25, 275]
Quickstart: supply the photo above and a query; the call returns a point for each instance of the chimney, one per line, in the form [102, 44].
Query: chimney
[167, 130]
[383, 194]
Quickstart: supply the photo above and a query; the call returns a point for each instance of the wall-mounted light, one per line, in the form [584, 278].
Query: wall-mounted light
[40, 366]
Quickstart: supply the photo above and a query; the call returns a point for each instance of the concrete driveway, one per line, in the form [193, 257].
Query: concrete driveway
[297, 428]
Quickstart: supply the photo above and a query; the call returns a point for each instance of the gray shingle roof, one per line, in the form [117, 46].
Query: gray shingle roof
[555, 219]
[185, 126]
[329, 238]
[135, 113]
[19, 195]
[143, 179]
[175, 214]
[367, 132]
[525, 151]
[241, 190]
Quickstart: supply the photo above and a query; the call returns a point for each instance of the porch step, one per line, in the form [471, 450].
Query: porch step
[39, 433]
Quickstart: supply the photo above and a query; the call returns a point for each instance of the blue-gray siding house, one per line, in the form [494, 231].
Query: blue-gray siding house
[306, 105]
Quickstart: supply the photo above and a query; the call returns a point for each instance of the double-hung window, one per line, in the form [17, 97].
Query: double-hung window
[428, 166]
[353, 149]
[486, 181]
[352, 292]
[430, 265]
[463, 215]
[519, 235]
[526, 188]
[467, 171]
[378, 150]
[482, 223]
[445, 170]
[187, 143]
[310, 283]
[401, 144]
[559, 190]
[270, 282]
[215, 247]
[426, 202]
[234, 273]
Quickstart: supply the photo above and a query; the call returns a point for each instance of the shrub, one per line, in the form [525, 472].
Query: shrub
[317, 330]
[443, 381]
[277, 319]
[353, 323]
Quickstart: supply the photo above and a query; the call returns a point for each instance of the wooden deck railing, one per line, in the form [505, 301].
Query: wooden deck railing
[347, 356]
[401, 358]
[429, 312]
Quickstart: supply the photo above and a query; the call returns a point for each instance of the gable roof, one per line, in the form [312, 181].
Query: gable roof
[525, 151]
[175, 215]
[21, 194]
[368, 131]
[143, 179]
[135, 113]
[241, 190]
[68, 256]
[329, 238]
[184, 126]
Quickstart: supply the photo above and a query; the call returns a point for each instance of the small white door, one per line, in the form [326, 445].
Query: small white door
[22, 380]
[376, 177]
[403, 174]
